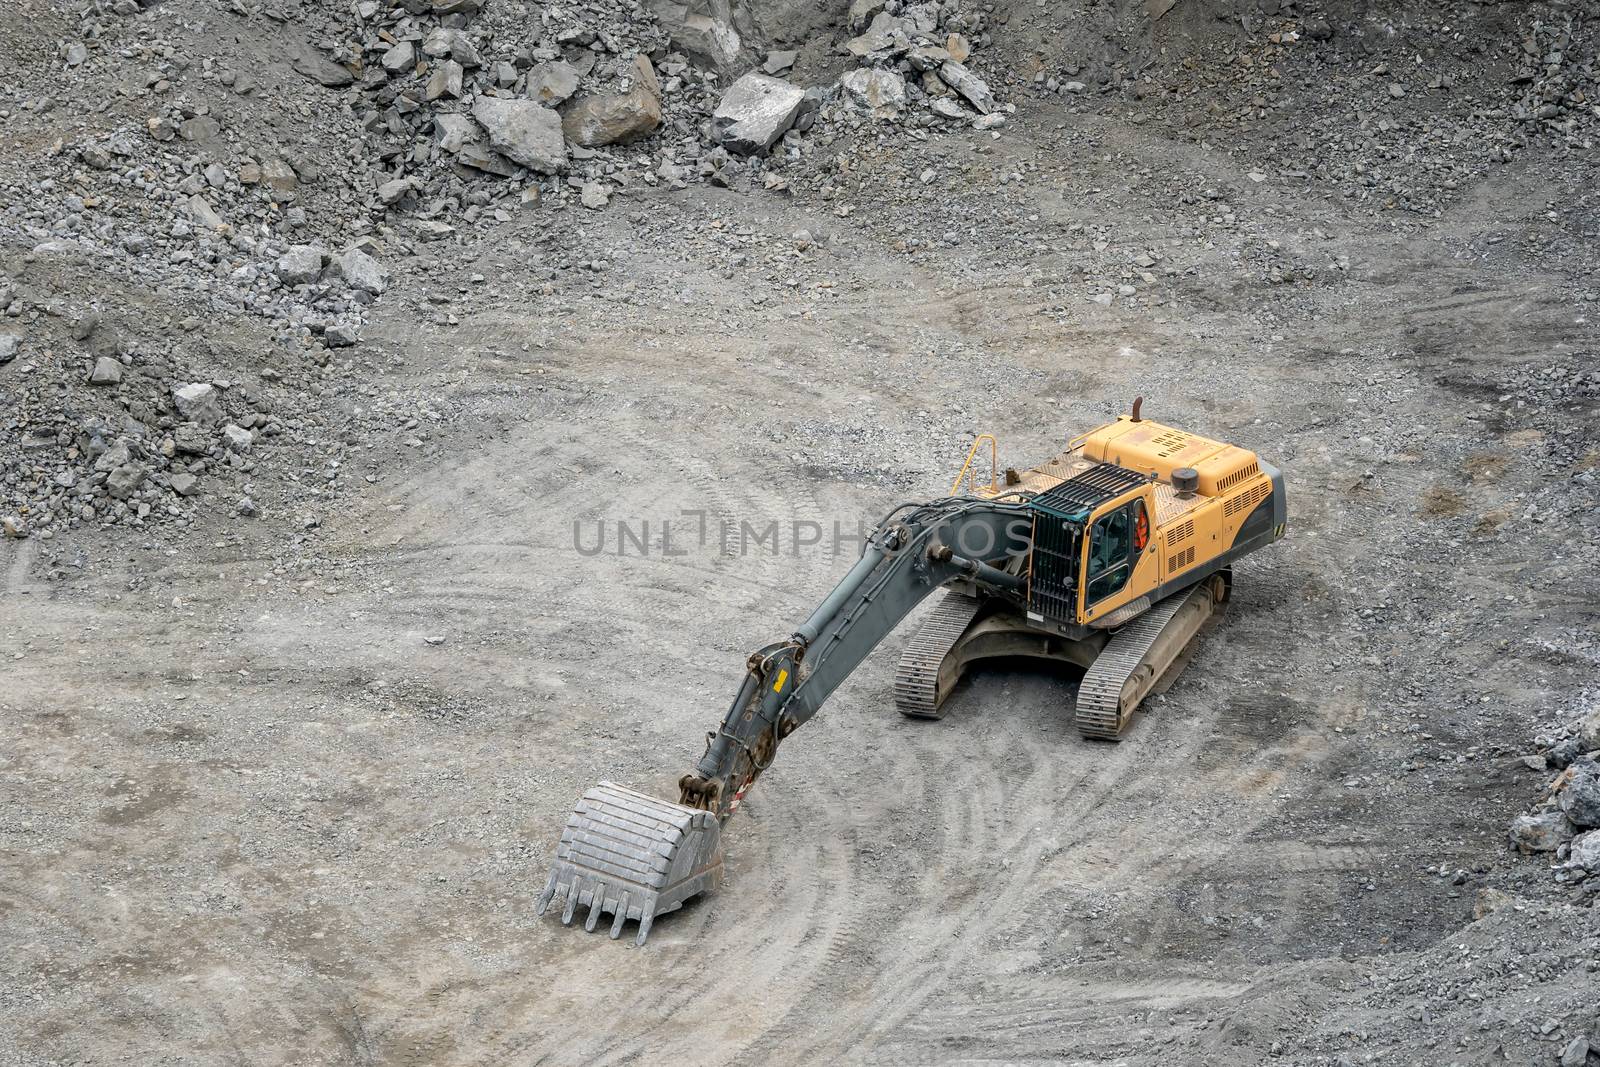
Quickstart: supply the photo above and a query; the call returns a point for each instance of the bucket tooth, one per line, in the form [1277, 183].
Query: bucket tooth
[633, 856]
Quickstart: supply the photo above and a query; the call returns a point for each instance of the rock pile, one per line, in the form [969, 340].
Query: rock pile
[913, 63]
[1566, 821]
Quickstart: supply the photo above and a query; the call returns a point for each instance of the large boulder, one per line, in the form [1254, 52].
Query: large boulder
[360, 271]
[883, 92]
[1580, 797]
[301, 265]
[1544, 832]
[1589, 731]
[616, 118]
[968, 85]
[1586, 851]
[754, 112]
[122, 482]
[711, 31]
[523, 131]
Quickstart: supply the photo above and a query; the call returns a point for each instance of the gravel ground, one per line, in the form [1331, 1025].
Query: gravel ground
[288, 744]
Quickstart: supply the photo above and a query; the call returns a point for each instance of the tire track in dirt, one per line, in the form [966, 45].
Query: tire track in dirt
[722, 951]
[945, 932]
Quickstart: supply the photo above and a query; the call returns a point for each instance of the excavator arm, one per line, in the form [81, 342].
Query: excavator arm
[635, 856]
[914, 551]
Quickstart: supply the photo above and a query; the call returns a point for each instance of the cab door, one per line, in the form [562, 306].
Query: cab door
[1118, 563]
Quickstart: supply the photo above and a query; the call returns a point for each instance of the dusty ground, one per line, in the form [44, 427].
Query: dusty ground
[280, 792]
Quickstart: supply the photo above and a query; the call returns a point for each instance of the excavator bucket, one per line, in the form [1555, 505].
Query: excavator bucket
[634, 856]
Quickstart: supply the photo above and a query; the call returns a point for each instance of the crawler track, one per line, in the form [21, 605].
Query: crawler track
[920, 686]
[1105, 701]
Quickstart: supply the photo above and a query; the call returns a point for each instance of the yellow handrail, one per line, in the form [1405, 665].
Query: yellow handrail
[994, 464]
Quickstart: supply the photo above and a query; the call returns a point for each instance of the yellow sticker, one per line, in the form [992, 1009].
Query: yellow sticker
[783, 676]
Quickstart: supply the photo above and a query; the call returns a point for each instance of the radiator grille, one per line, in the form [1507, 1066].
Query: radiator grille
[1181, 532]
[1054, 575]
[1243, 474]
[1087, 489]
[1247, 499]
[1180, 560]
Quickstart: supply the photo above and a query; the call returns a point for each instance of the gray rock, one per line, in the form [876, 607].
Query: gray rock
[216, 176]
[1545, 832]
[341, 336]
[887, 36]
[96, 156]
[277, 174]
[14, 526]
[479, 157]
[201, 128]
[184, 484]
[1576, 1052]
[395, 190]
[446, 80]
[754, 112]
[301, 265]
[122, 481]
[454, 43]
[594, 196]
[862, 12]
[1586, 851]
[779, 62]
[117, 455]
[704, 29]
[523, 131]
[359, 271]
[1580, 799]
[1562, 753]
[198, 402]
[455, 132]
[191, 439]
[946, 108]
[968, 85]
[989, 122]
[1589, 731]
[203, 213]
[320, 69]
[551, 83]
[237, 438]
[107, 371]
[77, 52]
[400, 59]
[883, 92]
[246, 508]
[9, 344]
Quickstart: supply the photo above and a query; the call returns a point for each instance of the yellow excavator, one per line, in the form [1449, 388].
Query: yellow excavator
[1110, 555]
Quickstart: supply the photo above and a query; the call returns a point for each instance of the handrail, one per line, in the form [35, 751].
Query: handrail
[994, 465]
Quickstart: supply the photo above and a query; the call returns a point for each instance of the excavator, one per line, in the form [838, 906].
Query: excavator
[1110, 556]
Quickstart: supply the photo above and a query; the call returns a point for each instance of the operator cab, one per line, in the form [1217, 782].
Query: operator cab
[1104, 558]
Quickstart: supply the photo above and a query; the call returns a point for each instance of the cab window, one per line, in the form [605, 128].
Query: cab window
[1114, 547]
